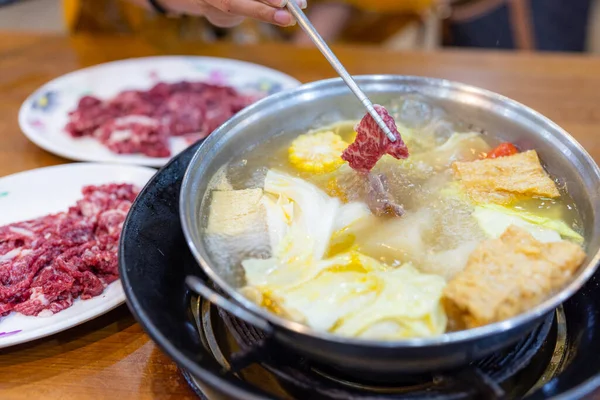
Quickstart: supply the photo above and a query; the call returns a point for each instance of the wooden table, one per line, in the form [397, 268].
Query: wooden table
[111, 357]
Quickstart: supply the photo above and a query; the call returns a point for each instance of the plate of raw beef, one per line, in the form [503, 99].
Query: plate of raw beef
[59, 233]
[144, 110]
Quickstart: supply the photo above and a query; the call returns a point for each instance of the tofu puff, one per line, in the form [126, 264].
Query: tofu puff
[504, 180]
[507, 276]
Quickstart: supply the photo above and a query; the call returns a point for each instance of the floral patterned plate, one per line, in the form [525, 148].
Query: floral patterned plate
[21, 193]
[44, 114]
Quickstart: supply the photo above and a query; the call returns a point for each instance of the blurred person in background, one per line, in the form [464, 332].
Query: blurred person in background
[348, 20]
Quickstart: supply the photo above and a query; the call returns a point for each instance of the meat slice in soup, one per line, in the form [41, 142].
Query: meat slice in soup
[371, 143]
[505, 179]
[380, 201]
[507, 276]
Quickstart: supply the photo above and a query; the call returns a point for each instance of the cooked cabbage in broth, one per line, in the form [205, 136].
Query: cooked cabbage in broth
[450, 229]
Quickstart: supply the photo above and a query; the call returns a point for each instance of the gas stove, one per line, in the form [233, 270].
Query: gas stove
[518, 372]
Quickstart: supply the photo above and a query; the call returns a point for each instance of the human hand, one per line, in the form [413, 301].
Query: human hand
[228, 13]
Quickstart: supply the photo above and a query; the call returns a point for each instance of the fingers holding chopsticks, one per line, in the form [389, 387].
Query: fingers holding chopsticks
[226, 13]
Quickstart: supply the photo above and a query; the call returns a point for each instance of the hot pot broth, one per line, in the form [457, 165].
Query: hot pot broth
[382, 275]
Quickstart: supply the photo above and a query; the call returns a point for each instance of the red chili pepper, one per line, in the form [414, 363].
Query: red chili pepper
[503, 150]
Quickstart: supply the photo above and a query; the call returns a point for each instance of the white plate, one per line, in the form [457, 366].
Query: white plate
[38, 192]
[44, 114]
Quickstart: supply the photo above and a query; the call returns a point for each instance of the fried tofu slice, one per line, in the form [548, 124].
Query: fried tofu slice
[505, 179]
[236, 212]
[507, 276]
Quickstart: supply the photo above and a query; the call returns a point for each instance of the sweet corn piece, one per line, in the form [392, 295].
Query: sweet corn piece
[317, 152]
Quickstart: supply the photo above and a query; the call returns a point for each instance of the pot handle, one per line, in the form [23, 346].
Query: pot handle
[200, 287]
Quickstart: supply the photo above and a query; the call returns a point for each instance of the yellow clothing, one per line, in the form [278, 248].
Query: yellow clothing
[392, 6]
[119, 16]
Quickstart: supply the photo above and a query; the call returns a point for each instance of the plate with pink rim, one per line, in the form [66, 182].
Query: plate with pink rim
[45, 113]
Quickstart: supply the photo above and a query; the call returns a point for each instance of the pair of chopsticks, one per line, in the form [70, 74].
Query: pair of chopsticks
[310, 30]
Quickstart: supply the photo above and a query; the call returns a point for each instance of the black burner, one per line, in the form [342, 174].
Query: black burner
[505, 375]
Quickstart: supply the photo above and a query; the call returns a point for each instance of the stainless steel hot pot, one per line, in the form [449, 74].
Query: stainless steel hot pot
[297, 110]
